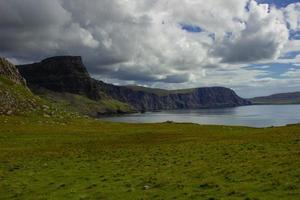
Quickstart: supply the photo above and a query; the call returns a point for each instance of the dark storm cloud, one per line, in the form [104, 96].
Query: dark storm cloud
[142, 75]
[36, 29]
[129, 75]
[177, 78]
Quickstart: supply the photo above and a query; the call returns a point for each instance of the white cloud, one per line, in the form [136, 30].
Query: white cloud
[262, 38]
[141, 41]
[292, 73]
[291, 45]
[295, 60]
[292, 13]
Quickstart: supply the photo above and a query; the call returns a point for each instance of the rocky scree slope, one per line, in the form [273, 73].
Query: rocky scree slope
[15, 97]
[9, 71]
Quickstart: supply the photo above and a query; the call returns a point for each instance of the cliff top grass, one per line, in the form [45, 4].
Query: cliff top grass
[82, 158]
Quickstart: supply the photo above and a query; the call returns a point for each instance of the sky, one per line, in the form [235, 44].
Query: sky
[250, 46]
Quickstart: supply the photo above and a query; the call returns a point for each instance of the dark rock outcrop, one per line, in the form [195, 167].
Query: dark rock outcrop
[61, 74]
[8, 70]
[68, 74]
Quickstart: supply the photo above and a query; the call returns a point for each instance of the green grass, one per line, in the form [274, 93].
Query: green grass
[82, 104]
[16, 98]
[18, 90]
[51, 158]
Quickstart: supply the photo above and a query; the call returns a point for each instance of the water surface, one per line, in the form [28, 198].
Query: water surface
[253, 116]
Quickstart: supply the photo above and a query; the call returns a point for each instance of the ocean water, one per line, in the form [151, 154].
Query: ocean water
[252, 116]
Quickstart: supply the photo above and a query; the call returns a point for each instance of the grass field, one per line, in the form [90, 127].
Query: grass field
[42, 158]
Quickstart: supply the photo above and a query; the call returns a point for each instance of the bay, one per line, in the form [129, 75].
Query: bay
[252, 116]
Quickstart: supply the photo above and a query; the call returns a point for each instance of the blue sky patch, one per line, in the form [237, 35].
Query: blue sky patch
[278, 3]
[294, 35]
[275, 70]
[290, 55]
[191, 28]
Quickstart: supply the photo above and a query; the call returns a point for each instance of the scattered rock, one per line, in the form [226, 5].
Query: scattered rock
[9, 112]
[46, 115]
[146, 187]
[46, 107]
[10, 71]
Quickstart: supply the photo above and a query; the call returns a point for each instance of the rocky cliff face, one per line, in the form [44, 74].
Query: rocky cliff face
[213, 97]
[8, 70]
[68, 74]
[61, 74]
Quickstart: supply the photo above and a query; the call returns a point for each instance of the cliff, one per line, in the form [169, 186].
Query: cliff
[210, 97]
[68, 74]
[282, 98]
[65, 80]
[61, 74]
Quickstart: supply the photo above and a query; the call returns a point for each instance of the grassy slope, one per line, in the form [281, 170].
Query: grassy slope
[16, 98]
[88, 159]
[82, 104]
